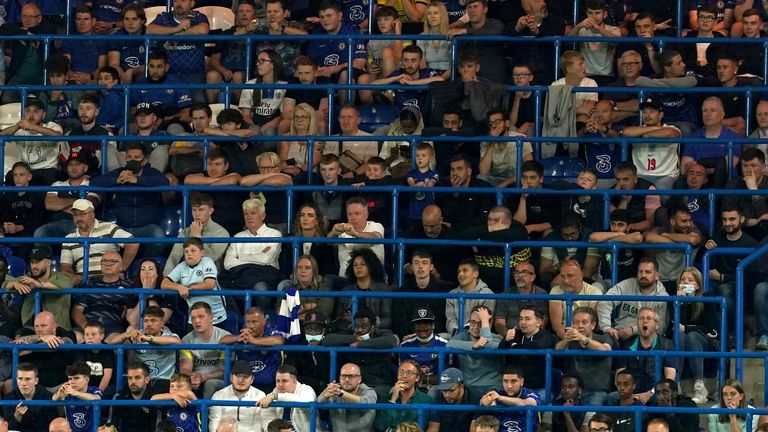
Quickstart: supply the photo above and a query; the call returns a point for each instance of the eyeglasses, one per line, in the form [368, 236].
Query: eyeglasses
[349, 376]
[521, 75]
[523, 273]
[407, 373]
[300, 117]
[262, 61]
[628, 64]
[707, 18]
[109, 261]
[497, 122]
[473, 323]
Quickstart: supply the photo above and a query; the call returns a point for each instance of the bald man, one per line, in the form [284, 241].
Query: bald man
[446, 259]
[51, 364]
[507, 312]
[350, 389]
[59, 424]
[761, 131]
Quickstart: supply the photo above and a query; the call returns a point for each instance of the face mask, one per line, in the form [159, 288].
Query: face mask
[426, 339]
[366, 336]
[314, 338]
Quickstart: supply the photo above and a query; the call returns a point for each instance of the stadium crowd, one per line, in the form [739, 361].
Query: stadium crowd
[468, 98]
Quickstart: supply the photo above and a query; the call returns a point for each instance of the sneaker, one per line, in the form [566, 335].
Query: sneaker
[762, 343]
[700, 392]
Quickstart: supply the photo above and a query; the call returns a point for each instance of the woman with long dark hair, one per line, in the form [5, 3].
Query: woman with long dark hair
[174, 307]
[731, 396]
[262, 107]
[366, 274]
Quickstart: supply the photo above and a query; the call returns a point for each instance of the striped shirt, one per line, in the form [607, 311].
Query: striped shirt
[72, 253]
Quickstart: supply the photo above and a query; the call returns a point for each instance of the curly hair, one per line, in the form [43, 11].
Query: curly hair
[375, 267]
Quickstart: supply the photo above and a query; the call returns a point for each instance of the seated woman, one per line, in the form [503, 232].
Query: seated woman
[174, 307]
[367, 272]
[307, 277]
[261, 107]
[731, 396]
[437, 53]
[698, 327]
[294, 158]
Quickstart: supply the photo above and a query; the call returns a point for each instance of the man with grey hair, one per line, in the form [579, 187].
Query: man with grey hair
[253, 265]
[270, 175]
[627, 104]
[351, 390]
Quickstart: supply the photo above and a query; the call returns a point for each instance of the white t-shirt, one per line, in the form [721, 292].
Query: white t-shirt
[41, 154]
[658, 159]
[345, 249]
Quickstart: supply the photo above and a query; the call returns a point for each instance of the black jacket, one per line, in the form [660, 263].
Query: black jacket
[36, 419]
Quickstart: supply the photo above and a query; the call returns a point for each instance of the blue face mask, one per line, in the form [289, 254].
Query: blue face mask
[314, 338]
[426, 339]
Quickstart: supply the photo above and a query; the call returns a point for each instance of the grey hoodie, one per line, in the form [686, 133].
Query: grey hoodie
[626, 315]
[452, 323]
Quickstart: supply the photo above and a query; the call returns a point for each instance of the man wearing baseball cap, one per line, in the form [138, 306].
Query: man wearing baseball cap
[451, 391]
[147, 125]
[42, 156]
[86, 225]
[249, 418]
[658, 163]
[423, 336]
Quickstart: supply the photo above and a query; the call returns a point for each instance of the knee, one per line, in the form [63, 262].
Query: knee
[213, 77]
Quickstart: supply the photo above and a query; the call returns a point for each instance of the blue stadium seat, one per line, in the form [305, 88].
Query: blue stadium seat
[373, 117]
[562, 168]
[16, 266]
[171, 221]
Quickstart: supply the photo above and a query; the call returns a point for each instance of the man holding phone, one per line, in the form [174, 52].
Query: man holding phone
[136, 212]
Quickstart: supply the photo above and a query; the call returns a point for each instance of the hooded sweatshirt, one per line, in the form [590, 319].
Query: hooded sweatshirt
[627, 311]
[452, 324]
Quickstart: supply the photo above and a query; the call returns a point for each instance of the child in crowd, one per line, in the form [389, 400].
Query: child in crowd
[186, 418]
[80, 418]
[384, 54]
[110, 100]
[102, 362]
[486, 423]
[422, 176]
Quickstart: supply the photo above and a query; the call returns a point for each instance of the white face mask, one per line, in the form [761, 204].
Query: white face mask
[314, 338]
[366, 336]
[426, 339]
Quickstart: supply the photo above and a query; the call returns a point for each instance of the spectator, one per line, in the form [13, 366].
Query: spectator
[76, 388]
[625, 386]
[600, 421]
[262, 109]
[250, 418]
[328, 55]
[384, 54]
[437, 54]
[227, 206]
[155, 151]
[713, 156]
[87, 112]
[294, 155]
[588, 210]
[357, 226]
[452, 391]
[733, 103]
[619, 233]
[731, 396]
[411, 73]
[572, 63]
[185, 418]
[28, 418]
[59, 424]
[311, 222]
[552, 258]
[102, 362]
[26, 65]
[570, 281]
[667, 396]
[307, 278]
[755, 206]
[41, 156]
[110, 100]
[270, 175]
[349, 390]
[640, 208]
[264, 364]
[598, 56]
[703, 58]
[186, 157]
[197, 272]
[722, 21]
[315, 366]
[160, 364]
[658, 425]
[306, 73]
[364, 333]
[42, 276]
[445, 260]
[59, 204]
[602, 157]
[627, 104]
[405, 391]
[106, 309]
[409, 122]
[498, 160]
[86, 55]
[21, 212]
[353, 155]
[655, 163]
[751, 60]
[136, 213]
[51, 364]
[570, 394]
[532, 208]
[423, 336]
[648, 338]
[172, 106]
[403, 309]
[679, 229]
[204, 367]
[253, 265]
[201, 226]
[422, 176]
[480, 372]
[596, 371]
[60, 105]
[646, 283]
[481, 24]
[127, 56]
[513, 393]
[464, 208]
[175, 308]
[136, 418]
[376, 175]
[469, 283]
[87, 226]
[508, 311]
[185, 58]
[529, 334]
[522, 109]
[538, 20]
[289, 389]
[278, 13]
[645, 27]
[366, 274]
[486, 423]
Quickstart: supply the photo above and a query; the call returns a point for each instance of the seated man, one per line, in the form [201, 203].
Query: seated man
[469, 283]
[351, 390]
[666, 395]
[480, 372]
[86, 55]
[405, 391]
[29, 418]
[532, 210]
[627, 258]
[270, 175]
[353, 155]
[227, 210]
[755, 206]
[640, 208]
[679, 229]
[249, 418]
[512, 394]
[411, 74]
[571, 278]
[571, 391]
[172, 107]
[571, 229]
[51, 363]
[289, 389]
[573, 65]
[508, 311]
[529, 335]
[204, 367]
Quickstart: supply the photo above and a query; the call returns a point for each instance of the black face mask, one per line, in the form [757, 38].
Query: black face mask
[134, 166]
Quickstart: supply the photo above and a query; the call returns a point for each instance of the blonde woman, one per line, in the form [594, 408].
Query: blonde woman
[437, 53]
[293, 154]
